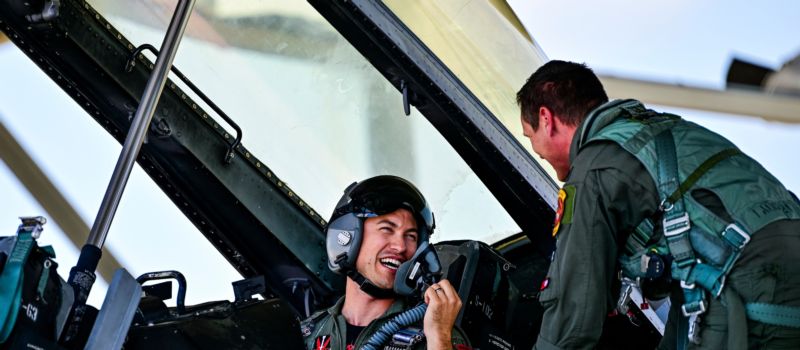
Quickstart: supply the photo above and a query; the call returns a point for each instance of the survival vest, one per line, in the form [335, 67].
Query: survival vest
[681, 157]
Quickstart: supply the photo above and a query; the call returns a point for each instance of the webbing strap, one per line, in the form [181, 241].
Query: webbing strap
[707, 276]
[368, 287]
[787, 316]
[640, 236]
[11, 283]
[676, 226]
[713, 278]
[676, 222]
[43, 279]
[644, 231]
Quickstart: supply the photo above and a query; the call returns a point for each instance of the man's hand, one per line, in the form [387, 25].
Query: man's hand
[443, 307]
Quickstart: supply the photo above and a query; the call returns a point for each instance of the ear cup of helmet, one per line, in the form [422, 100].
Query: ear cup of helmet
[343, 240]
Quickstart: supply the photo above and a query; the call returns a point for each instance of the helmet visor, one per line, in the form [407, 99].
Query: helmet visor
[384, 194]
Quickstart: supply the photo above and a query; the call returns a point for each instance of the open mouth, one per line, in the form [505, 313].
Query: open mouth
[390, 263]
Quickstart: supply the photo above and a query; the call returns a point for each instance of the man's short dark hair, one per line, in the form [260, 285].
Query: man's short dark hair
[570, 90]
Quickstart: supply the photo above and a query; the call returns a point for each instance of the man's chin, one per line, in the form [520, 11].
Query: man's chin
[385, 284]
[382, 279]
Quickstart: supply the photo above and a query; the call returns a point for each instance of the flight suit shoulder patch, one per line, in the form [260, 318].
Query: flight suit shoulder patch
[566, 205]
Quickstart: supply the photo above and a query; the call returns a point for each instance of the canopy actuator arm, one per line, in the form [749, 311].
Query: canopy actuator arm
[82, 276]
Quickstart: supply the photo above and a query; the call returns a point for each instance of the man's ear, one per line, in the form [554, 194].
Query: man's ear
[547, 120]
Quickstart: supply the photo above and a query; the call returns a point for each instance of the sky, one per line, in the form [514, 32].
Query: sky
[681, 42]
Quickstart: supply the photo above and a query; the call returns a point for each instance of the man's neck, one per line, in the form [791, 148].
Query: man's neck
[360, 308]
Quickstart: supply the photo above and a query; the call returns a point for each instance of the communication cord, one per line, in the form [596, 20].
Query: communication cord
[377, 340]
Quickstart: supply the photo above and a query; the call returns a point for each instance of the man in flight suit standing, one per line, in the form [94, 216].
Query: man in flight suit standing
[656, 200]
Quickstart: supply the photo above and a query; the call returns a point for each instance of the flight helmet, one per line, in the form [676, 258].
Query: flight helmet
[369, 198]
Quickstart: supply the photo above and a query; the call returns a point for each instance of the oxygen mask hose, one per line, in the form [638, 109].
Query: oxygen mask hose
[413, 276]
[405, 319]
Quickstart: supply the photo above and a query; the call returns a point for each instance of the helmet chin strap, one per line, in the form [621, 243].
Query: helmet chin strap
[370, 288]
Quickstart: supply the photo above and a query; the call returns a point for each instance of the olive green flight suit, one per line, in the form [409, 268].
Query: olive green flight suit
[609, 192]
[331, 323]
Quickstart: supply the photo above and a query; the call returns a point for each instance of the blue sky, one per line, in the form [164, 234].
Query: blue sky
[686, 42]
[681, 42]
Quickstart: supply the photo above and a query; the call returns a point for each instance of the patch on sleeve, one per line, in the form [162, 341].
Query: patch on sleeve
[566, 201]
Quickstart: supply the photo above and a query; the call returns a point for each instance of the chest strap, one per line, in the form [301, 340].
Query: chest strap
[676, 226]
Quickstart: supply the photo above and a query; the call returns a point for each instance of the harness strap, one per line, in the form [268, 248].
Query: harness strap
[11, 283]
[676, 226]
[637, 241]
[676, 222]
[640, 236]
[367, 286]
[779, 315]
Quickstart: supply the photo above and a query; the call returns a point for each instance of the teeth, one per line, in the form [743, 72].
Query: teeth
[390, 263]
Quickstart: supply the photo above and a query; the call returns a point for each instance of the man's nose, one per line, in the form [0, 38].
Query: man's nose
[397, 243]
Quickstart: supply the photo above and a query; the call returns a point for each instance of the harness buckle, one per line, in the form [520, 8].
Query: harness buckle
[675, 226]
[665, 206]
[695, 308]
[736, 236]
[624, 296]
[694, 329]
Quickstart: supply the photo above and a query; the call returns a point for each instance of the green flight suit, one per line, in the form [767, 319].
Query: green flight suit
[608, 193]
[331, 323]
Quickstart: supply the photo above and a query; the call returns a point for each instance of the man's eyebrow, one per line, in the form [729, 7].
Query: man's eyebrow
[395, 225]
[388, 222]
